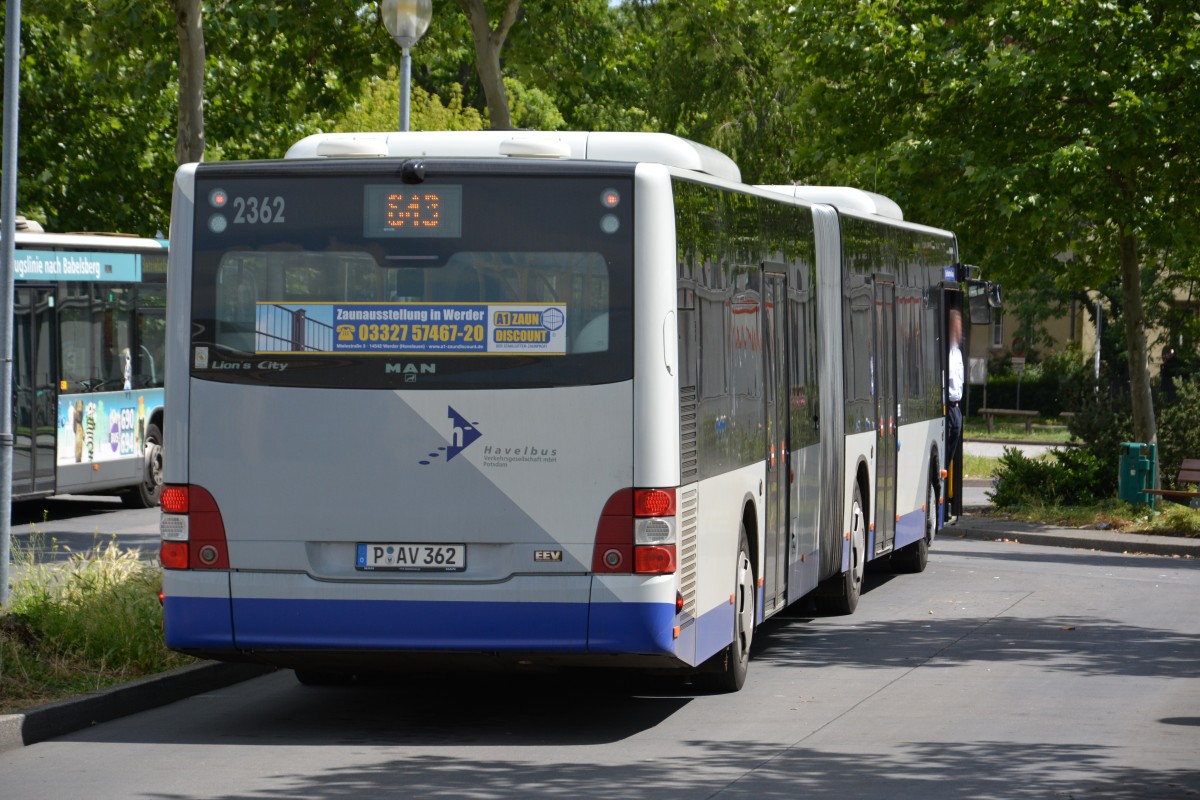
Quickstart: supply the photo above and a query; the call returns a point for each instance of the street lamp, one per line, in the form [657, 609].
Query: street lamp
[406, 21]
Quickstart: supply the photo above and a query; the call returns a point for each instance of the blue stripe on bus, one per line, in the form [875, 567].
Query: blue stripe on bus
[632, 628]
[714, 631]
[412, 624]
[203, 623]
[910, 528]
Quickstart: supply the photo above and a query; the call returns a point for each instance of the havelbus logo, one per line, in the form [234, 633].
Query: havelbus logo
[462, 435]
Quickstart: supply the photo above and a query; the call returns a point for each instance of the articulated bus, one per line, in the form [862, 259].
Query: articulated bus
[538, 400]
[88, 365]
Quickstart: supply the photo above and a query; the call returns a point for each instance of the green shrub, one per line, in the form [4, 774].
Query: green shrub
[1102, 423]
[1066, 477]
[1178, 429]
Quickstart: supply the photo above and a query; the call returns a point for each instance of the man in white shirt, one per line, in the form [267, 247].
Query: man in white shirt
[954, 388]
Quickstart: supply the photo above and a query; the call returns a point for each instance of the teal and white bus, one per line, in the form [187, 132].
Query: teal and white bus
[89, 322]
[538, 400]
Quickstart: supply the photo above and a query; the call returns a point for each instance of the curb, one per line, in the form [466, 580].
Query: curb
[67, 716]
[1080, 539]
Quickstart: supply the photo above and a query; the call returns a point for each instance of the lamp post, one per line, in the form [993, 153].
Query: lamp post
[8, 189]
[406, 21]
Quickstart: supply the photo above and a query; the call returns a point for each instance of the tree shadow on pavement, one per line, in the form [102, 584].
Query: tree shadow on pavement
[725, 770]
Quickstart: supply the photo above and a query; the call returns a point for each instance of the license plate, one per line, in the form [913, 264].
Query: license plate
[411, 557]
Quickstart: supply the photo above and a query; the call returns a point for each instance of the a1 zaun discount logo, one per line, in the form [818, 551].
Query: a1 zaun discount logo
[462, 435]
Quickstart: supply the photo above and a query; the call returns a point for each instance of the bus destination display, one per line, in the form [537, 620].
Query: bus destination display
[420, 212]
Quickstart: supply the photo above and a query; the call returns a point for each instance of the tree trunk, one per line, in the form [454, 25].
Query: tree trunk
[1144, 427]
[488, 44]
[189, 141]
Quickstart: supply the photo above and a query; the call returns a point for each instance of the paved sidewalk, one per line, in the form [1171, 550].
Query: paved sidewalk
[971, 526]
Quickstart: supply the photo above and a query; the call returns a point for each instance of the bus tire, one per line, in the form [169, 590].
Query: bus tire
[912, 558]
[848, 588]
[150, 489]
[726, 671]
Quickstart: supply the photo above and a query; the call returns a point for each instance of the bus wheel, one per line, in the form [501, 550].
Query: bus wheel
[913, 557]
[726, 671]
[150, 489]
[849, 587]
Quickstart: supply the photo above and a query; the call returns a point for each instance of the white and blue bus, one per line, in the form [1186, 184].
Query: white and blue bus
[538, 399]
[89, 321]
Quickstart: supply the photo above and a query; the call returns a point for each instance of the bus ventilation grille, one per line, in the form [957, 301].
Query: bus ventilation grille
[689, 525]
[688, 463]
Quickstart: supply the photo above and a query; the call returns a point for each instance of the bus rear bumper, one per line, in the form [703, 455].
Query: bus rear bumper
[564, 615]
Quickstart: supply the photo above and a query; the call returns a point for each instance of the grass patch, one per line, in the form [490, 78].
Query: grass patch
[978, 467]
[976, 428]
[80, 624]
[1170, 519]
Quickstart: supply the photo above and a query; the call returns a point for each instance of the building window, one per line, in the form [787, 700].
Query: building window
[997, 329]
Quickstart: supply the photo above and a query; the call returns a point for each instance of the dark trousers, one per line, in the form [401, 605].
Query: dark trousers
[953, 433]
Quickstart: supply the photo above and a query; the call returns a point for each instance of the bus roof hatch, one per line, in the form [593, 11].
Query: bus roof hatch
[843, 197]
[659, 148]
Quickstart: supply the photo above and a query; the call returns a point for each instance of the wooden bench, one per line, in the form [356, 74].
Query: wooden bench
[1189, 472]
[990, 415]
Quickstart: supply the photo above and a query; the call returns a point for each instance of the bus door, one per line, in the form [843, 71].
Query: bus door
[887, 436]
[35, 396]
[775, 541]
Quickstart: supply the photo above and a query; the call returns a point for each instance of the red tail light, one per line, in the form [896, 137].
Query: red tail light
[654, 502]
[173, 555]
[197, 541]
[654, 560]
[636, 533]
[174, 500]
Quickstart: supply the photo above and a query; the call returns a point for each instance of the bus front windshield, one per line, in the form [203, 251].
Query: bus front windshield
[472, 280]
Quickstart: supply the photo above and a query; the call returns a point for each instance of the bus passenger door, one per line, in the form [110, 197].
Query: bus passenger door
[775, 540]
[886, 431]
[35, 395]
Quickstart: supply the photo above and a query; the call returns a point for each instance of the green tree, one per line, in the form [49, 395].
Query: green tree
[100, 97]
[489, 38]
[189, 29]
[1033, 129]
[713, 71]
[376, 109]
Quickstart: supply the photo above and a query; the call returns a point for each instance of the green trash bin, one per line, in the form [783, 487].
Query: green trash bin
[1137, 473]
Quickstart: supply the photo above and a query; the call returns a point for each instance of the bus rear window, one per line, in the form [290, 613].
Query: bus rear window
[530, 286]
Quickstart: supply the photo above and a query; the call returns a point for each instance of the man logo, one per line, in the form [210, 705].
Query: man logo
[410, 369]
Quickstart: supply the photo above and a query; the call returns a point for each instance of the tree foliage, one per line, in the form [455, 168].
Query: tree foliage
[376, 110]
[1057, 139]
[1033, 129]
[99, 97]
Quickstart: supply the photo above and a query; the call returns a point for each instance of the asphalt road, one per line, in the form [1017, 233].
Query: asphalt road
[54, 527]
[1004, 671]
